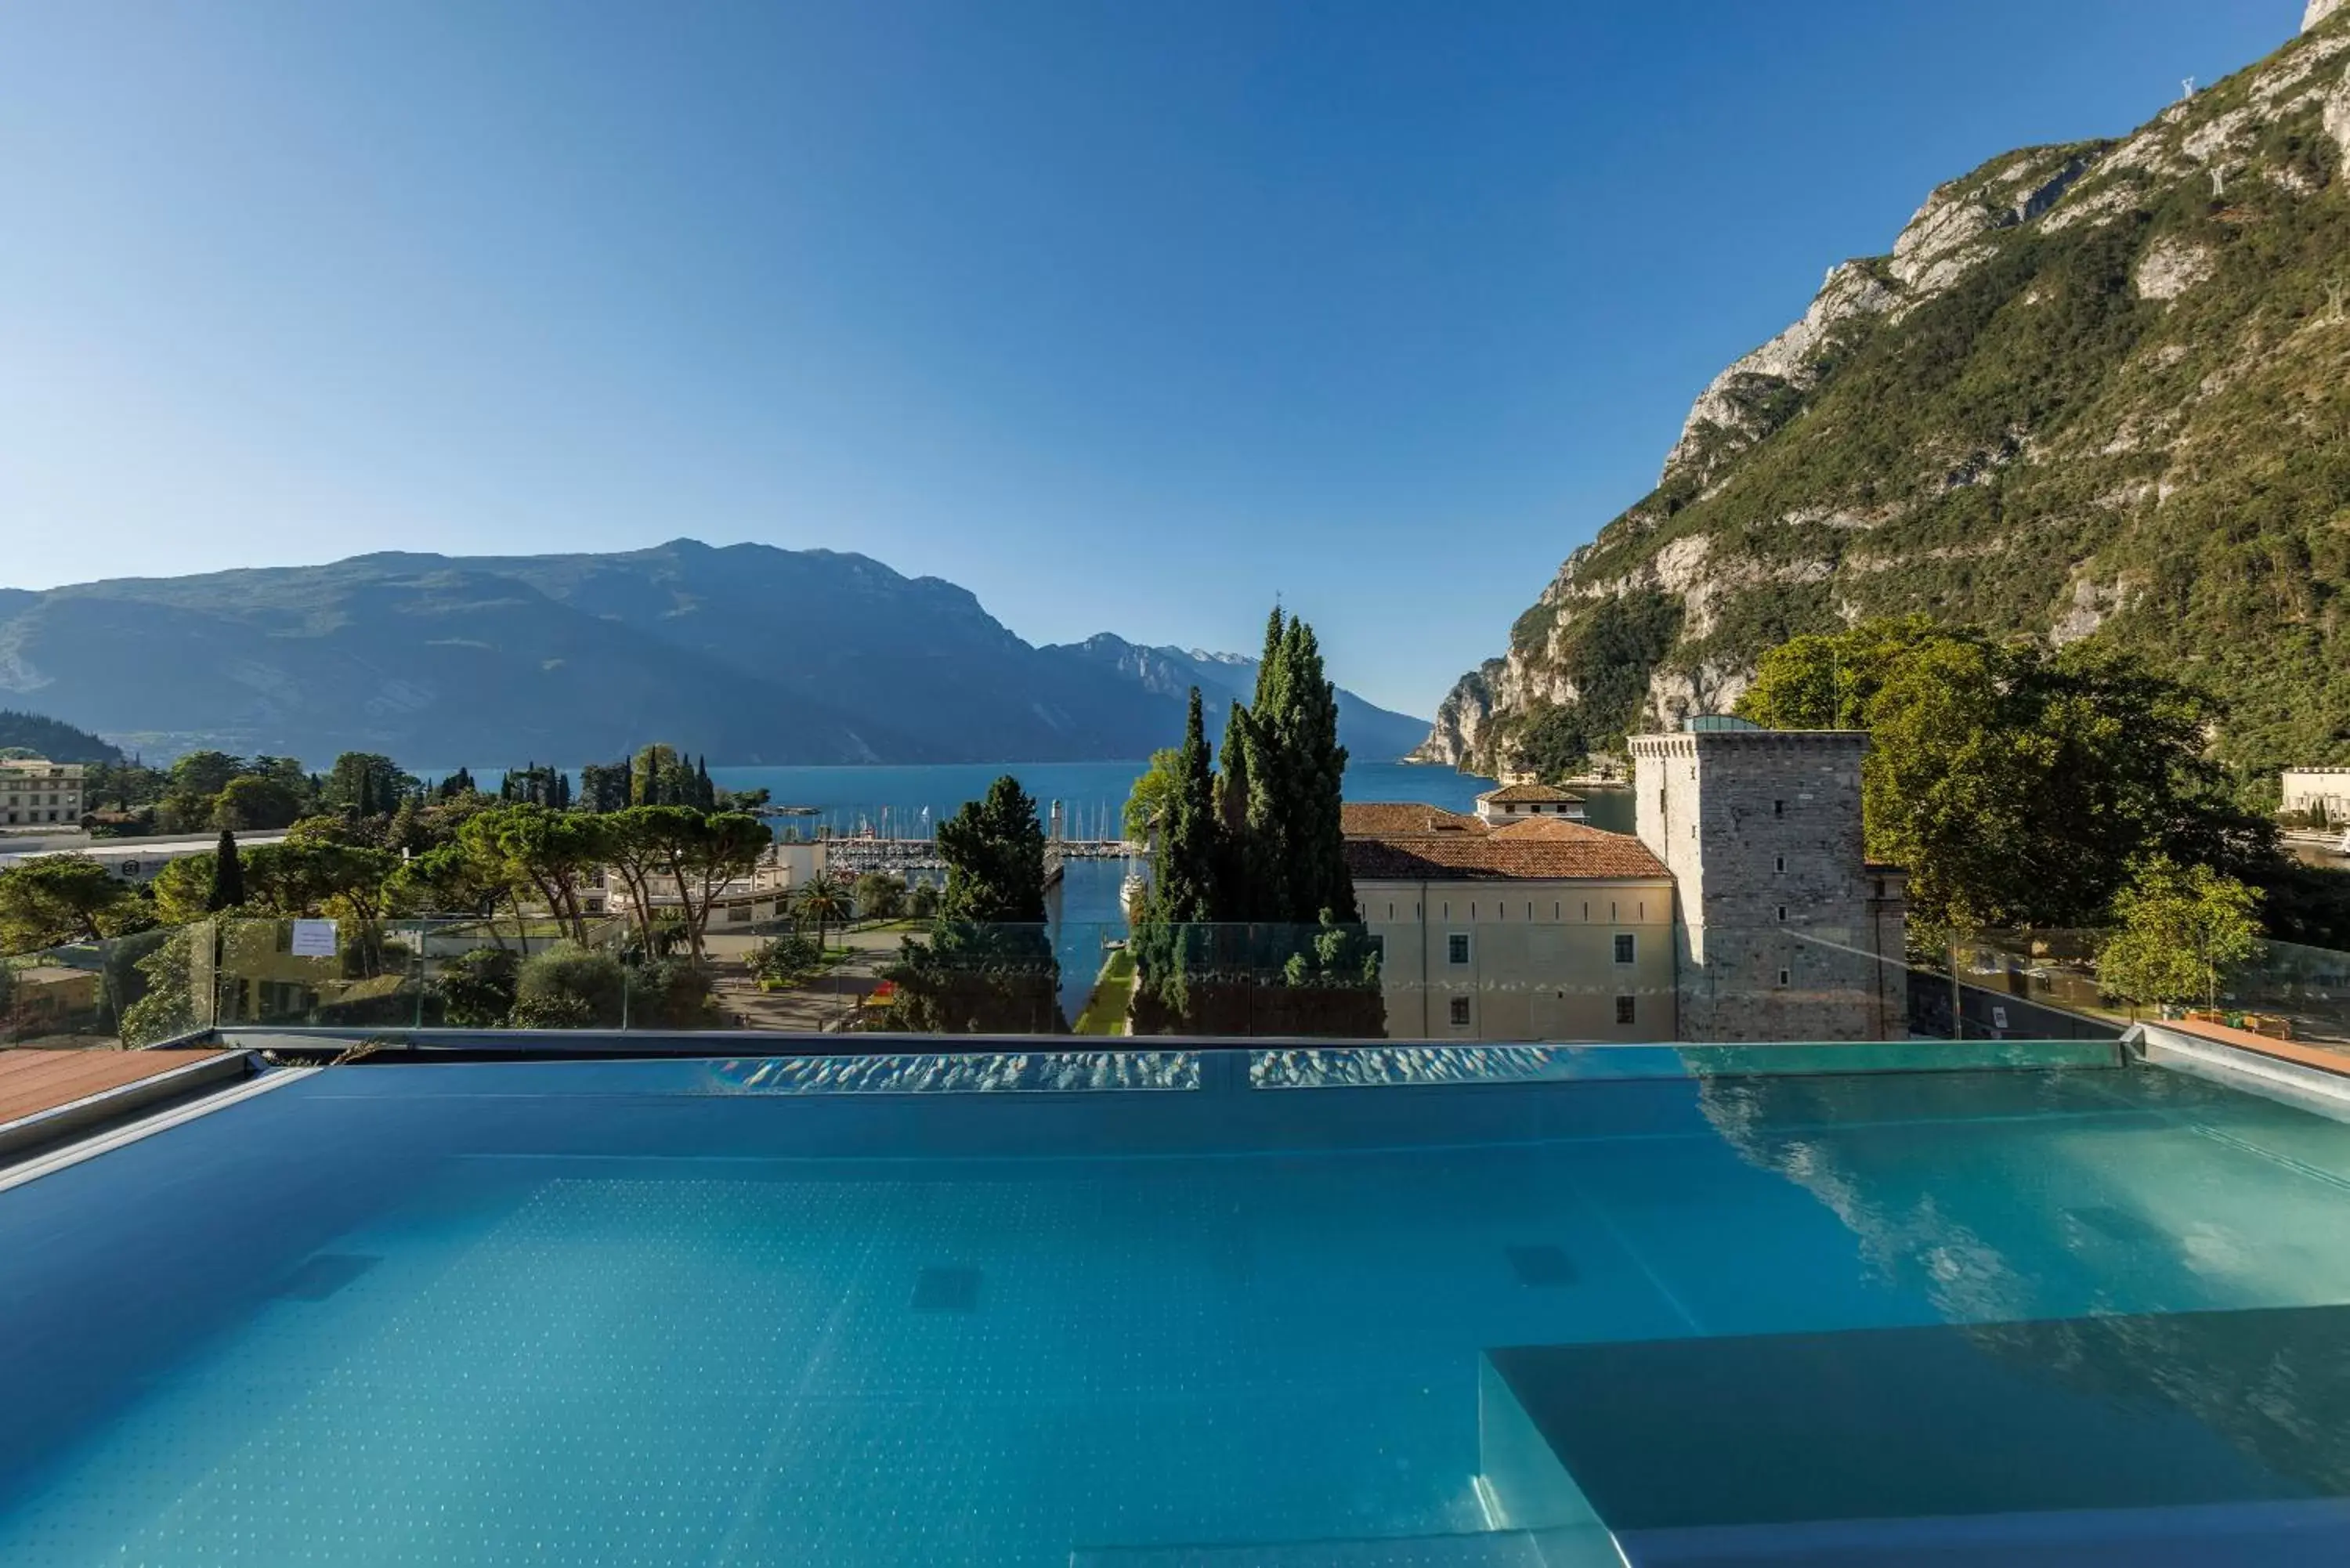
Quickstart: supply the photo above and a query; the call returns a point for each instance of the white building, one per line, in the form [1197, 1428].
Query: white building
[1527, 803]
[2319, 790]
[138, 859]
[34, 790]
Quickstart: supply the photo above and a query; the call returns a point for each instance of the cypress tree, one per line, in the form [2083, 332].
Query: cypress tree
[1320, 886]
[1231, 818]
[1183, 870]
[228, 876]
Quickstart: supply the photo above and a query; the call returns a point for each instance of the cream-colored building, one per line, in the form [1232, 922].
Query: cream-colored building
[2319, 790]
[1526, 802]
[35, 790]
[1539, 929]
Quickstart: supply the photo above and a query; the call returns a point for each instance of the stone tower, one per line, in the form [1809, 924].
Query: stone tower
[1783, 931]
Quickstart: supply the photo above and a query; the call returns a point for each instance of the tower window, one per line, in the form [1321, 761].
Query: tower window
[1460, 1013]
[1780, 864]
[1778, 809]
[1456, 948]
[1784, 978]
[1626, 947]
[1783, 914]
[1627, 1009]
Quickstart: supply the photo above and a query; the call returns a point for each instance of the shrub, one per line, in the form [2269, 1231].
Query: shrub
[477, 989]
[785, 958]
[672, 994]
[570, 987]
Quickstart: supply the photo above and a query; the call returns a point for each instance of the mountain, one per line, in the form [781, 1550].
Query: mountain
[749, 653]
[1369, 733]
[2101, 388]
[47, 738]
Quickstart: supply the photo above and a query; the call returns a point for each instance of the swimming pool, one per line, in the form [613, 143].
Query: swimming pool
[705, 1312]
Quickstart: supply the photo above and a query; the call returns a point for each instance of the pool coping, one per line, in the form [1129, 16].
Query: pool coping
[2323, 1087]
[103, 1127]
[73, 1118]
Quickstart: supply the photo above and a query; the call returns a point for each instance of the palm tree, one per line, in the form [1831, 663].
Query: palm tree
[825, 901]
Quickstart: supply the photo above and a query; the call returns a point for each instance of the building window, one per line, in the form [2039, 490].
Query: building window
[1784, 978]
[1778, 809]
[1456, 948]
[1611, 913]
[1640, 911]
[1473, 911]
[1448, 908]
[1587, 913]
[1626, 947]
[1783, 914]
[1660, 800]
[1460, 1013]
[1780, 864]
[1626, 1010]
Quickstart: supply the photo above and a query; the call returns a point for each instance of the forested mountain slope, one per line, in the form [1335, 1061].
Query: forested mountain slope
[2101, 388]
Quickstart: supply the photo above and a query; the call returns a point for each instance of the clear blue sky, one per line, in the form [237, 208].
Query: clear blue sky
[1125, 316]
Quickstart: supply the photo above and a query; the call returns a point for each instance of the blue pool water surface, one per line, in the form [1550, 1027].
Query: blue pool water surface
[678, 1312]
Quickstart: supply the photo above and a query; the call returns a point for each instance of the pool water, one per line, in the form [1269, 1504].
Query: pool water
[651, 1314]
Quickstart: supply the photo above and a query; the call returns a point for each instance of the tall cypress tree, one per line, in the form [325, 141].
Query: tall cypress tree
[1320, 886]
[1183, 869]
[1232, 863]
[228, 876]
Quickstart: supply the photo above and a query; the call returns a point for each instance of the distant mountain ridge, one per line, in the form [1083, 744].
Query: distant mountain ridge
[1369, 733]
[749, 653]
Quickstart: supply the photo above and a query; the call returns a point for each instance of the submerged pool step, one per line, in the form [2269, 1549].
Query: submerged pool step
[1487, 1549]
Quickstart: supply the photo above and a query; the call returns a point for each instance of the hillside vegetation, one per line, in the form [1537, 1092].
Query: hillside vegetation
[2100, 389]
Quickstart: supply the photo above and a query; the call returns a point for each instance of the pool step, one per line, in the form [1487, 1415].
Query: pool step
[1486, 1548]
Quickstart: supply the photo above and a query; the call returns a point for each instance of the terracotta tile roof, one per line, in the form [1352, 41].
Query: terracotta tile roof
[1535, 827]
[1559, 850]
[1398, 819]
[1530, 794]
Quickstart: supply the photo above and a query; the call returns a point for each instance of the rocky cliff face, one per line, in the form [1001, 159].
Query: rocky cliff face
[2095, 389]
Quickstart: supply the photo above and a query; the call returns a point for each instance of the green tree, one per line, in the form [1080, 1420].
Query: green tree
[183, 889]
[477, 989]
[988, 966]
[1148, 803]
[204, 773]
[257, 803]
[923, 900]
[2019, 788]
[604, 786]
[659, 776]
[364, 784]
[880, 896]
[570, 986]
[454, 879]
[1250, 924]
[176, 993]
[55, 899]
[823, 902]
[227, 890]
[551, 852]
[2181, 930]
[700, 855]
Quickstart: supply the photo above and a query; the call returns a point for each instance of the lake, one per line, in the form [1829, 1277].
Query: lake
[892, 800]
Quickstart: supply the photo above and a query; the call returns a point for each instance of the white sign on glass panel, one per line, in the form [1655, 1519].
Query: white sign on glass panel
[313, 939]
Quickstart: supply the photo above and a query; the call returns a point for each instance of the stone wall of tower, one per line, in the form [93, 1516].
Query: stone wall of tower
[1783, 931]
